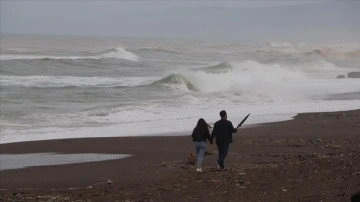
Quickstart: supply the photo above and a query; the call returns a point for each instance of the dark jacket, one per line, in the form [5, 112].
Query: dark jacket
[200, 134]
[223, 130]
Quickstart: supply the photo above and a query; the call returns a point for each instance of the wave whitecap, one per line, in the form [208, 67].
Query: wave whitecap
[219, 68]
[70, 81]
[284, 45]
[177, 81]
[339, 54]
[339, 51]
[115, 53]
[234, 77]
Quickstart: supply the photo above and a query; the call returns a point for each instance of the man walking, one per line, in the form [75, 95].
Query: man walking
[222, 132]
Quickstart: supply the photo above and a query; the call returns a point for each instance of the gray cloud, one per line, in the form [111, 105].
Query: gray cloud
[239, 20]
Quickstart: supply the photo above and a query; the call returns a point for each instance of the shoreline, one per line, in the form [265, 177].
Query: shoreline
[63, 135]
[269, 161]
[276, 118]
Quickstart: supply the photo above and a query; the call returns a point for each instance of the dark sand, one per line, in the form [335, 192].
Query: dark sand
[315, 157]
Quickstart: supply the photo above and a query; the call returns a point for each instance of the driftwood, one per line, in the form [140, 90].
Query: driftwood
[192, 157]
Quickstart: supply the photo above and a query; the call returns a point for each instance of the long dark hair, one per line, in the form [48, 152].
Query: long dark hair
[202, 125]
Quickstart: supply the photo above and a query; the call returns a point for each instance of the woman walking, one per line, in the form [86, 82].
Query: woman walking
[200, 134]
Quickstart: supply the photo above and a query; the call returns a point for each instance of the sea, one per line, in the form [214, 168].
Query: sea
[58, 87]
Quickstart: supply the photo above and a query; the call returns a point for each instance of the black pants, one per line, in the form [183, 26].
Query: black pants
[223, 149]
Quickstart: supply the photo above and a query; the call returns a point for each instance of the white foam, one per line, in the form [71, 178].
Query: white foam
[72, 81]
[119, 53]
[251, 80]
[345, 47]
[284, 47]
[173, 120]
[332, 51]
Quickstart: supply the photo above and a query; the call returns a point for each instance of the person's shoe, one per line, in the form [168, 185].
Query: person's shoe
[199, 169]
[219, 166]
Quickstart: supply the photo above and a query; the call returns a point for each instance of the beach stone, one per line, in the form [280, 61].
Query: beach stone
[301, 157]
[283, 189]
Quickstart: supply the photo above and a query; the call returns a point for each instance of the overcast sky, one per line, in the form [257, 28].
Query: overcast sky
[335, 21]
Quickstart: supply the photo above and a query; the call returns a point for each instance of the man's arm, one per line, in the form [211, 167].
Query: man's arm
[234, 130]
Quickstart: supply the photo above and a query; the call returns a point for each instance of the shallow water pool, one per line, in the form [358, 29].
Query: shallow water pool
[18, 161]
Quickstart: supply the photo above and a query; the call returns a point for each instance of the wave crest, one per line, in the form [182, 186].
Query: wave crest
[284, 45]
[115, 53]
[219, 68]
[245, 78]
[337, 51]
[177, 80]
[70, 81]
[331, 53]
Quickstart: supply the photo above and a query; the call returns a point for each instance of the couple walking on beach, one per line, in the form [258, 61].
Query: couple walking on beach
[222, 132]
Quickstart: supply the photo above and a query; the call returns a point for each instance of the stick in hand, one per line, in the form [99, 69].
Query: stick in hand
[243, 120]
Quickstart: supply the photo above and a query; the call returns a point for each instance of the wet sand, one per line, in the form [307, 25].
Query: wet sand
[314, 157]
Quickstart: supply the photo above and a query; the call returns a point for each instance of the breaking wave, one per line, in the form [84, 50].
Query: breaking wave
[219, 68]
[339, 51]
[247, 78]
[284, 45]
[115, 53]
[339, 54]
[69, 81]
[178, 81]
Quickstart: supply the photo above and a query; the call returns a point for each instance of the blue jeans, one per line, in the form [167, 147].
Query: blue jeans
[200, 148]
[223, 149]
